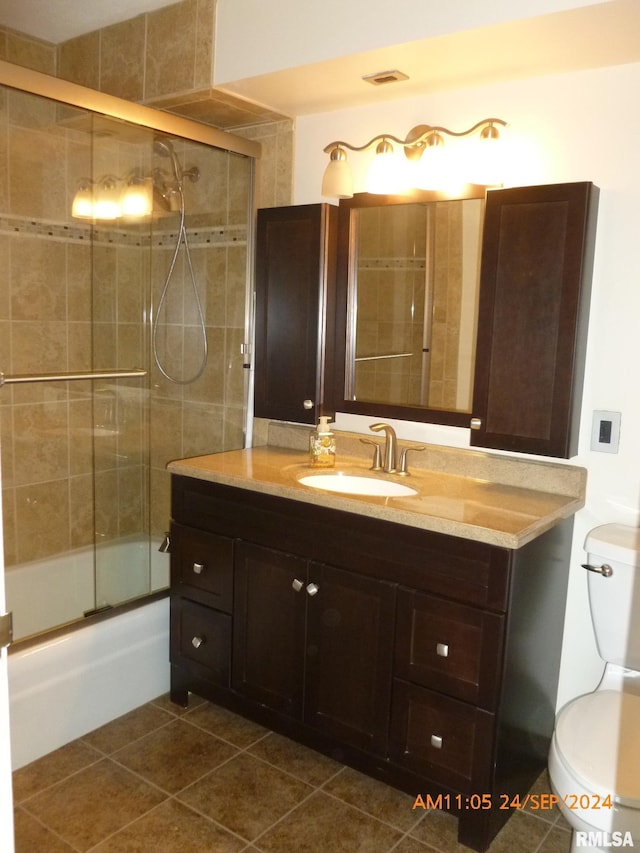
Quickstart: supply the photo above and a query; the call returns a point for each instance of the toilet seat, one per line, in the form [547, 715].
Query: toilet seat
[588, 733]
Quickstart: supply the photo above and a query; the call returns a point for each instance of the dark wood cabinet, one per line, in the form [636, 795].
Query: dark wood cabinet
[425, 660]
[314, 642]
[269, 627]
[349, 654]
[295, 311]
[535, 284]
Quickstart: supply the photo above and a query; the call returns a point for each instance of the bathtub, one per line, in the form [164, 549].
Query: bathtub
[72, 682]
[59, 589]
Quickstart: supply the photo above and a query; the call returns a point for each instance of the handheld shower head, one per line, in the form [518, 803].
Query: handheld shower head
[164, 148]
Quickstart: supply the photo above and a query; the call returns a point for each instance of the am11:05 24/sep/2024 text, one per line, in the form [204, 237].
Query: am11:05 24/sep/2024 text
[534, 802]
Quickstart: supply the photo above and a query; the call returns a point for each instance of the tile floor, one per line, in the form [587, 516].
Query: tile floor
[158, 779]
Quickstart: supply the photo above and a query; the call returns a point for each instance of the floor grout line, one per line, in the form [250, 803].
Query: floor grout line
[406, 836]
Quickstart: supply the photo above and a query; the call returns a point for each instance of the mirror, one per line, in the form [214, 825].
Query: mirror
[408, 282]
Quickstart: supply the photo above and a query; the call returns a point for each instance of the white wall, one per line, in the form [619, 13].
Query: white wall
[571, 127]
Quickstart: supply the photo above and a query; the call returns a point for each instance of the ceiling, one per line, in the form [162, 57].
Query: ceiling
[596, 36]
[592, 36]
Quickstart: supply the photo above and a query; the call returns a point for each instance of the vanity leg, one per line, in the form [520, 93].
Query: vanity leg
[179, 694]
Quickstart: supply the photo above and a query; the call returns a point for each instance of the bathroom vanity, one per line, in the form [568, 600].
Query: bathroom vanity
[415, 638]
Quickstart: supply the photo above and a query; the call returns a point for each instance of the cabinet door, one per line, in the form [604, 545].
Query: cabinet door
[537, 257]
[295, 275]
[349, 656]
[269, 627]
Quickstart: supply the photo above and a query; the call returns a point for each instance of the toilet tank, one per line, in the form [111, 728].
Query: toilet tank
[615, 600]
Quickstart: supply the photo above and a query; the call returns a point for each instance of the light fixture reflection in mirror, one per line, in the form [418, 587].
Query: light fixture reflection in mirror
[425, 148]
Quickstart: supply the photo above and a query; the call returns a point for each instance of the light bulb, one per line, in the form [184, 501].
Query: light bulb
[387, 173]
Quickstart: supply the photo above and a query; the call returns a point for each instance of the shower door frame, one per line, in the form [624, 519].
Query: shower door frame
[36, 83]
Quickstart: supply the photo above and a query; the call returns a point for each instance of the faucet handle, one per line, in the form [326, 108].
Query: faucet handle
[377, 459]
[402, 468]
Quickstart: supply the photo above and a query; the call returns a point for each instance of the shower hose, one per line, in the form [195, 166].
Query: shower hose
[180, 240]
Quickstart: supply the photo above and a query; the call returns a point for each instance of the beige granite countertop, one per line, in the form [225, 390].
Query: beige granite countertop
[463, 493]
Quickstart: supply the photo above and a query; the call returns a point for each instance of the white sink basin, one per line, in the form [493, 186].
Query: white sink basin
[353, 484]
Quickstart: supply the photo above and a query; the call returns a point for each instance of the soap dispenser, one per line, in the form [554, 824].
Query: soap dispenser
[322, 445]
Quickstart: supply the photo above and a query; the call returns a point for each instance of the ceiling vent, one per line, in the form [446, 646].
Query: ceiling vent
[382, 77]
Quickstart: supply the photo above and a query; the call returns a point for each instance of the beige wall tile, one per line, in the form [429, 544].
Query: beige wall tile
[42, 520]
[30, 53]
[170, 57]
[79, 60]
[122, 59]
[205, 39]
[274, 185]
[38, 279]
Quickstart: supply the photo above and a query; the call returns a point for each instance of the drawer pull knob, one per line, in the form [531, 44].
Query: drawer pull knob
[442, 649]
[297, 584]
[196, 642]
[198, 568]
[436, 741]
[312, 588]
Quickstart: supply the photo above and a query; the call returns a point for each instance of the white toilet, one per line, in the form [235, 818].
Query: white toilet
[594, 760]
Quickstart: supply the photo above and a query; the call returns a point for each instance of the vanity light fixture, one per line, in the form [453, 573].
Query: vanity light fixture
[427, 164]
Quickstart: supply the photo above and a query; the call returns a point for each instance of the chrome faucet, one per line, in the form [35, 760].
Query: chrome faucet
[389, 465]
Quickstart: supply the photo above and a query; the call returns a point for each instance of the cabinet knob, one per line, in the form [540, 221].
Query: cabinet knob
[312, 588]
[198, 568]
[442, 649]
[297, 585]
[436, 741]
[196, 642]
[476, 423]
[307, 404]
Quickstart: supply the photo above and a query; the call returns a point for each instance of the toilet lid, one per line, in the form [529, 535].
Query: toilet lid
[598, 738]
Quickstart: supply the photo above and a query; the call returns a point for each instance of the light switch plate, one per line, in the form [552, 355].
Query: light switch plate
[605, 431]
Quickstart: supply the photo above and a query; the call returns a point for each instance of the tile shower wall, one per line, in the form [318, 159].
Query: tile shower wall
[74, 298]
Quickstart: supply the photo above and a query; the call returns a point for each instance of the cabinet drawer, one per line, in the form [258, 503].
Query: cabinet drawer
[203, 637]
[448, 741]
[203, 562]
[449, 647]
